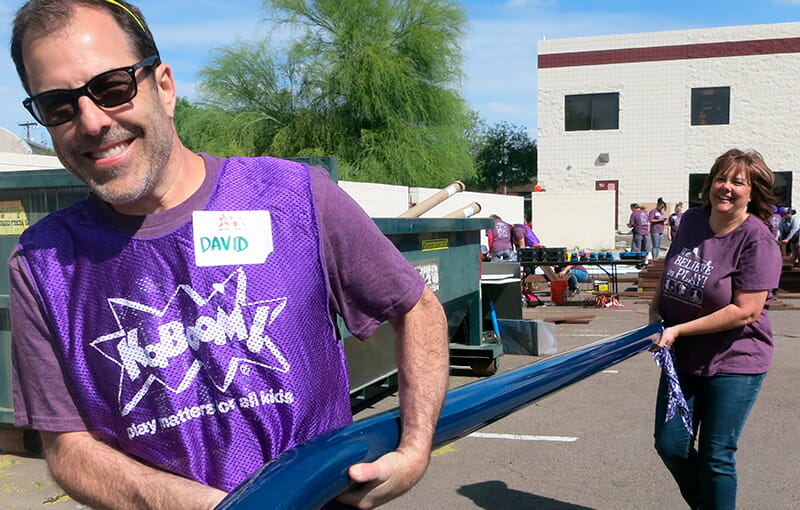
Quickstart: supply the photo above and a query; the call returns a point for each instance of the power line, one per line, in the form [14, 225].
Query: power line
[27, 126]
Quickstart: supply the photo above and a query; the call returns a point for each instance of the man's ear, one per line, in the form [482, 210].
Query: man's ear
[165, 86]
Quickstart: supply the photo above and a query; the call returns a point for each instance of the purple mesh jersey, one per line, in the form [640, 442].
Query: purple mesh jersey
[186, 351]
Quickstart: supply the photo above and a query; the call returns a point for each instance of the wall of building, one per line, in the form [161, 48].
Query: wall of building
[389, 201]
[575, 220]
[378, 200]
[656, 147]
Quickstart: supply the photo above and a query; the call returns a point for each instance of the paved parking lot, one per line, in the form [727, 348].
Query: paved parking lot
[588, 446]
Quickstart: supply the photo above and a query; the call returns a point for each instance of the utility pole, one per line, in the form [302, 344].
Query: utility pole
[27, 126]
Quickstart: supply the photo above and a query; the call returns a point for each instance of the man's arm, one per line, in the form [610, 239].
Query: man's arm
[423, 363]
[100, 476]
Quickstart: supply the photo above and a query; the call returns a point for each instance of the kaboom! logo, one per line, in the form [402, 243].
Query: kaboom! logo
[222, 334]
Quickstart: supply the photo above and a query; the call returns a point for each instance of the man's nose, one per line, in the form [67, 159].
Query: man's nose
[92, 118]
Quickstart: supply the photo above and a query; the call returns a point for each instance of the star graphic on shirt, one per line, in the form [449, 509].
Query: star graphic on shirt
[221, 334]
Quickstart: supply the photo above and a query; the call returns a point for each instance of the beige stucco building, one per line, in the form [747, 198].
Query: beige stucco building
[646, 114]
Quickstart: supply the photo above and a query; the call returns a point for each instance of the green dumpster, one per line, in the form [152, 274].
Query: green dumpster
[446, 253]
[25, 198]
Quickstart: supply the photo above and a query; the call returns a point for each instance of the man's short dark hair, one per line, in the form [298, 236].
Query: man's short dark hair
[42, 17]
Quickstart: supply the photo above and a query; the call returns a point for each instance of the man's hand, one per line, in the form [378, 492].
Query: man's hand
[383, 480]
[423, 367]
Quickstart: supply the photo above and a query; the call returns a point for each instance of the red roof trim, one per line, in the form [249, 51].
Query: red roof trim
[678, 52]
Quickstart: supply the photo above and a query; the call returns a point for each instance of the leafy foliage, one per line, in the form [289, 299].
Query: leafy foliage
[505, 155]
[373, 82]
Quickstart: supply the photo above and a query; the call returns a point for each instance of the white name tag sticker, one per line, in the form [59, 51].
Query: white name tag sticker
[223, 238]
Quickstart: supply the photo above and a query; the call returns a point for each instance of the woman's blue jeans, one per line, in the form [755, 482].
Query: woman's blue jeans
[576, 276]
[706, 473]
[655, 238]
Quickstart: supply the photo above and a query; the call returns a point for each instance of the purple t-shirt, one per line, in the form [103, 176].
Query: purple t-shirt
[675, 222]
[775, 223]
[656, 227]
[525, 232]
[701, 272]
[502, 236]
[638, 222]
[364, 299]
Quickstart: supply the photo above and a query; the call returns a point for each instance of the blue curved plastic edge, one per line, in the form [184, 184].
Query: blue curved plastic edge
[315, 472]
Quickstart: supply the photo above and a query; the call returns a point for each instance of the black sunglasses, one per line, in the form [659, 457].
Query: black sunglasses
[108, 89]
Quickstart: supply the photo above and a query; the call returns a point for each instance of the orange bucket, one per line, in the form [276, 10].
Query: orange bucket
[558, 292]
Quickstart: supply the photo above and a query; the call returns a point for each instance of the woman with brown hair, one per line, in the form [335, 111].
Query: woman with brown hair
[675, 221]
[657, 217]
[713, 299]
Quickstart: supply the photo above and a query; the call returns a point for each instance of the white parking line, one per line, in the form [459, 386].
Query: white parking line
[517, 437]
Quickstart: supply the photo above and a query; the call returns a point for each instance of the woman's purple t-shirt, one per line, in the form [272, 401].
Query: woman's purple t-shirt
[658, 227]
[675, 222]
[701, 272]
[364, 299]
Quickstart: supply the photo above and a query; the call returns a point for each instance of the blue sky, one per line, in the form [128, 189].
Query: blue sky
[499, 50]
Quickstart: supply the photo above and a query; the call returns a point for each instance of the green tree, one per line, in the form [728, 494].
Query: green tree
[373, 82]
[205, 128]
[505, 156]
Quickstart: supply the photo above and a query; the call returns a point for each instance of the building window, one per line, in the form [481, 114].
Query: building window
[584, 112]
[711, 105]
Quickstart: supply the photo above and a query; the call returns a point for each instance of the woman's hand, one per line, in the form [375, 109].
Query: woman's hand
[667, 339]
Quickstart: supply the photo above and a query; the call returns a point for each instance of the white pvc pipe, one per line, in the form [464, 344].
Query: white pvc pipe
[434, 200]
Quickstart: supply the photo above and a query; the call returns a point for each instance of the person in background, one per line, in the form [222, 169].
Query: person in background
[501, 247]
[675, 220]
[713, 298]
[775, 223]
[524, 236]
[656, 218]
[791, 240]
[638, 223]
[577, 274]
[167, 339]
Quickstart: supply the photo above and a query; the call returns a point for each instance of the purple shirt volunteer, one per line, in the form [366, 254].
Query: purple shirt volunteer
[502, 236]
[42, 399]
[775, 223]
[657, 227]
[701, 272]
[521, 231]
[638, 222]
[675, 222]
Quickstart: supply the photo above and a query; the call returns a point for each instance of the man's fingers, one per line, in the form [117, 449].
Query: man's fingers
[368, 472]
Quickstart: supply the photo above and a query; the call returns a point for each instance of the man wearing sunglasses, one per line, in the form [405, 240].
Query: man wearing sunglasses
[175, 331]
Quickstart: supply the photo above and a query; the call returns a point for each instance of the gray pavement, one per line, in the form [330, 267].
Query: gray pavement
[599, 452]
[611, 463]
